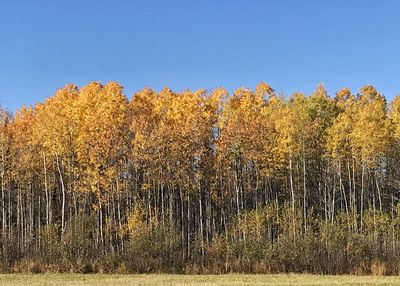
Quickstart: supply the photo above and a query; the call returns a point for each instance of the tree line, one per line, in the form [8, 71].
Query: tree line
[201, 182]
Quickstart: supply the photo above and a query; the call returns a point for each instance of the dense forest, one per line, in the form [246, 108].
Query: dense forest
[201, 182]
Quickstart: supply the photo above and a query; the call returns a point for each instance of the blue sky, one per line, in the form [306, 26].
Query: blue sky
[292, 45]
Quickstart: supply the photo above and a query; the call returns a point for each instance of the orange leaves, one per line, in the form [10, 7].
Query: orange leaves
[86, 129]
[180, 139]
[339, 144]
[394, 114]
[370, 134]
[56, 130]
[102, 121]
[23, 147]
[5, 143]
[247, 131]
[361, 129]
[173, 133]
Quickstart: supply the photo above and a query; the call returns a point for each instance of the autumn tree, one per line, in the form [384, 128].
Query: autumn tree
[5, 160]
[101, 144]
[201, 181]
[370, 136]
[56, 133]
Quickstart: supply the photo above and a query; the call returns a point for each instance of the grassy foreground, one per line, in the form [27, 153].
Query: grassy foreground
[232, 279]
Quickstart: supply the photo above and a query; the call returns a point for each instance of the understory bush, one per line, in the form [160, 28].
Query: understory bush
[256, 242]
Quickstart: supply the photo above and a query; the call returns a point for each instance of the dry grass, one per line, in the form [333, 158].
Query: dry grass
[195, 280]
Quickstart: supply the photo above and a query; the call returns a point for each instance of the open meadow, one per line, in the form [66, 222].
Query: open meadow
[195, 280]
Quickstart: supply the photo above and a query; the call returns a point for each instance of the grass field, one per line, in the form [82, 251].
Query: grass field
[195, 280]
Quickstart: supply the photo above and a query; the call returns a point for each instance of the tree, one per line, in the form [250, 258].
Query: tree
[101, 143]
[370, 136]
[56, 132]
[201, 181]
[5, 160]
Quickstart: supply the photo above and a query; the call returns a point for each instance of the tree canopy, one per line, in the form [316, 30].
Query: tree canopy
[201, 178]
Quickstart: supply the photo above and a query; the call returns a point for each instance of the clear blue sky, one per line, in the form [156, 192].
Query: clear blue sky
[292, 45]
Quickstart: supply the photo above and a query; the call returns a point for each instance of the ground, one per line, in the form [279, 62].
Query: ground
[195, 280]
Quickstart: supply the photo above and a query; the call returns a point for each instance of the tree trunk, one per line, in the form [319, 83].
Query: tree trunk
[3, 208]
[201, 223]
[304, 190]
[362, 193]
[46, 191]
[291, 183]
[63, 195]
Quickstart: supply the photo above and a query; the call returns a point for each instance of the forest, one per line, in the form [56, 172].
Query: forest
[201, 182]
